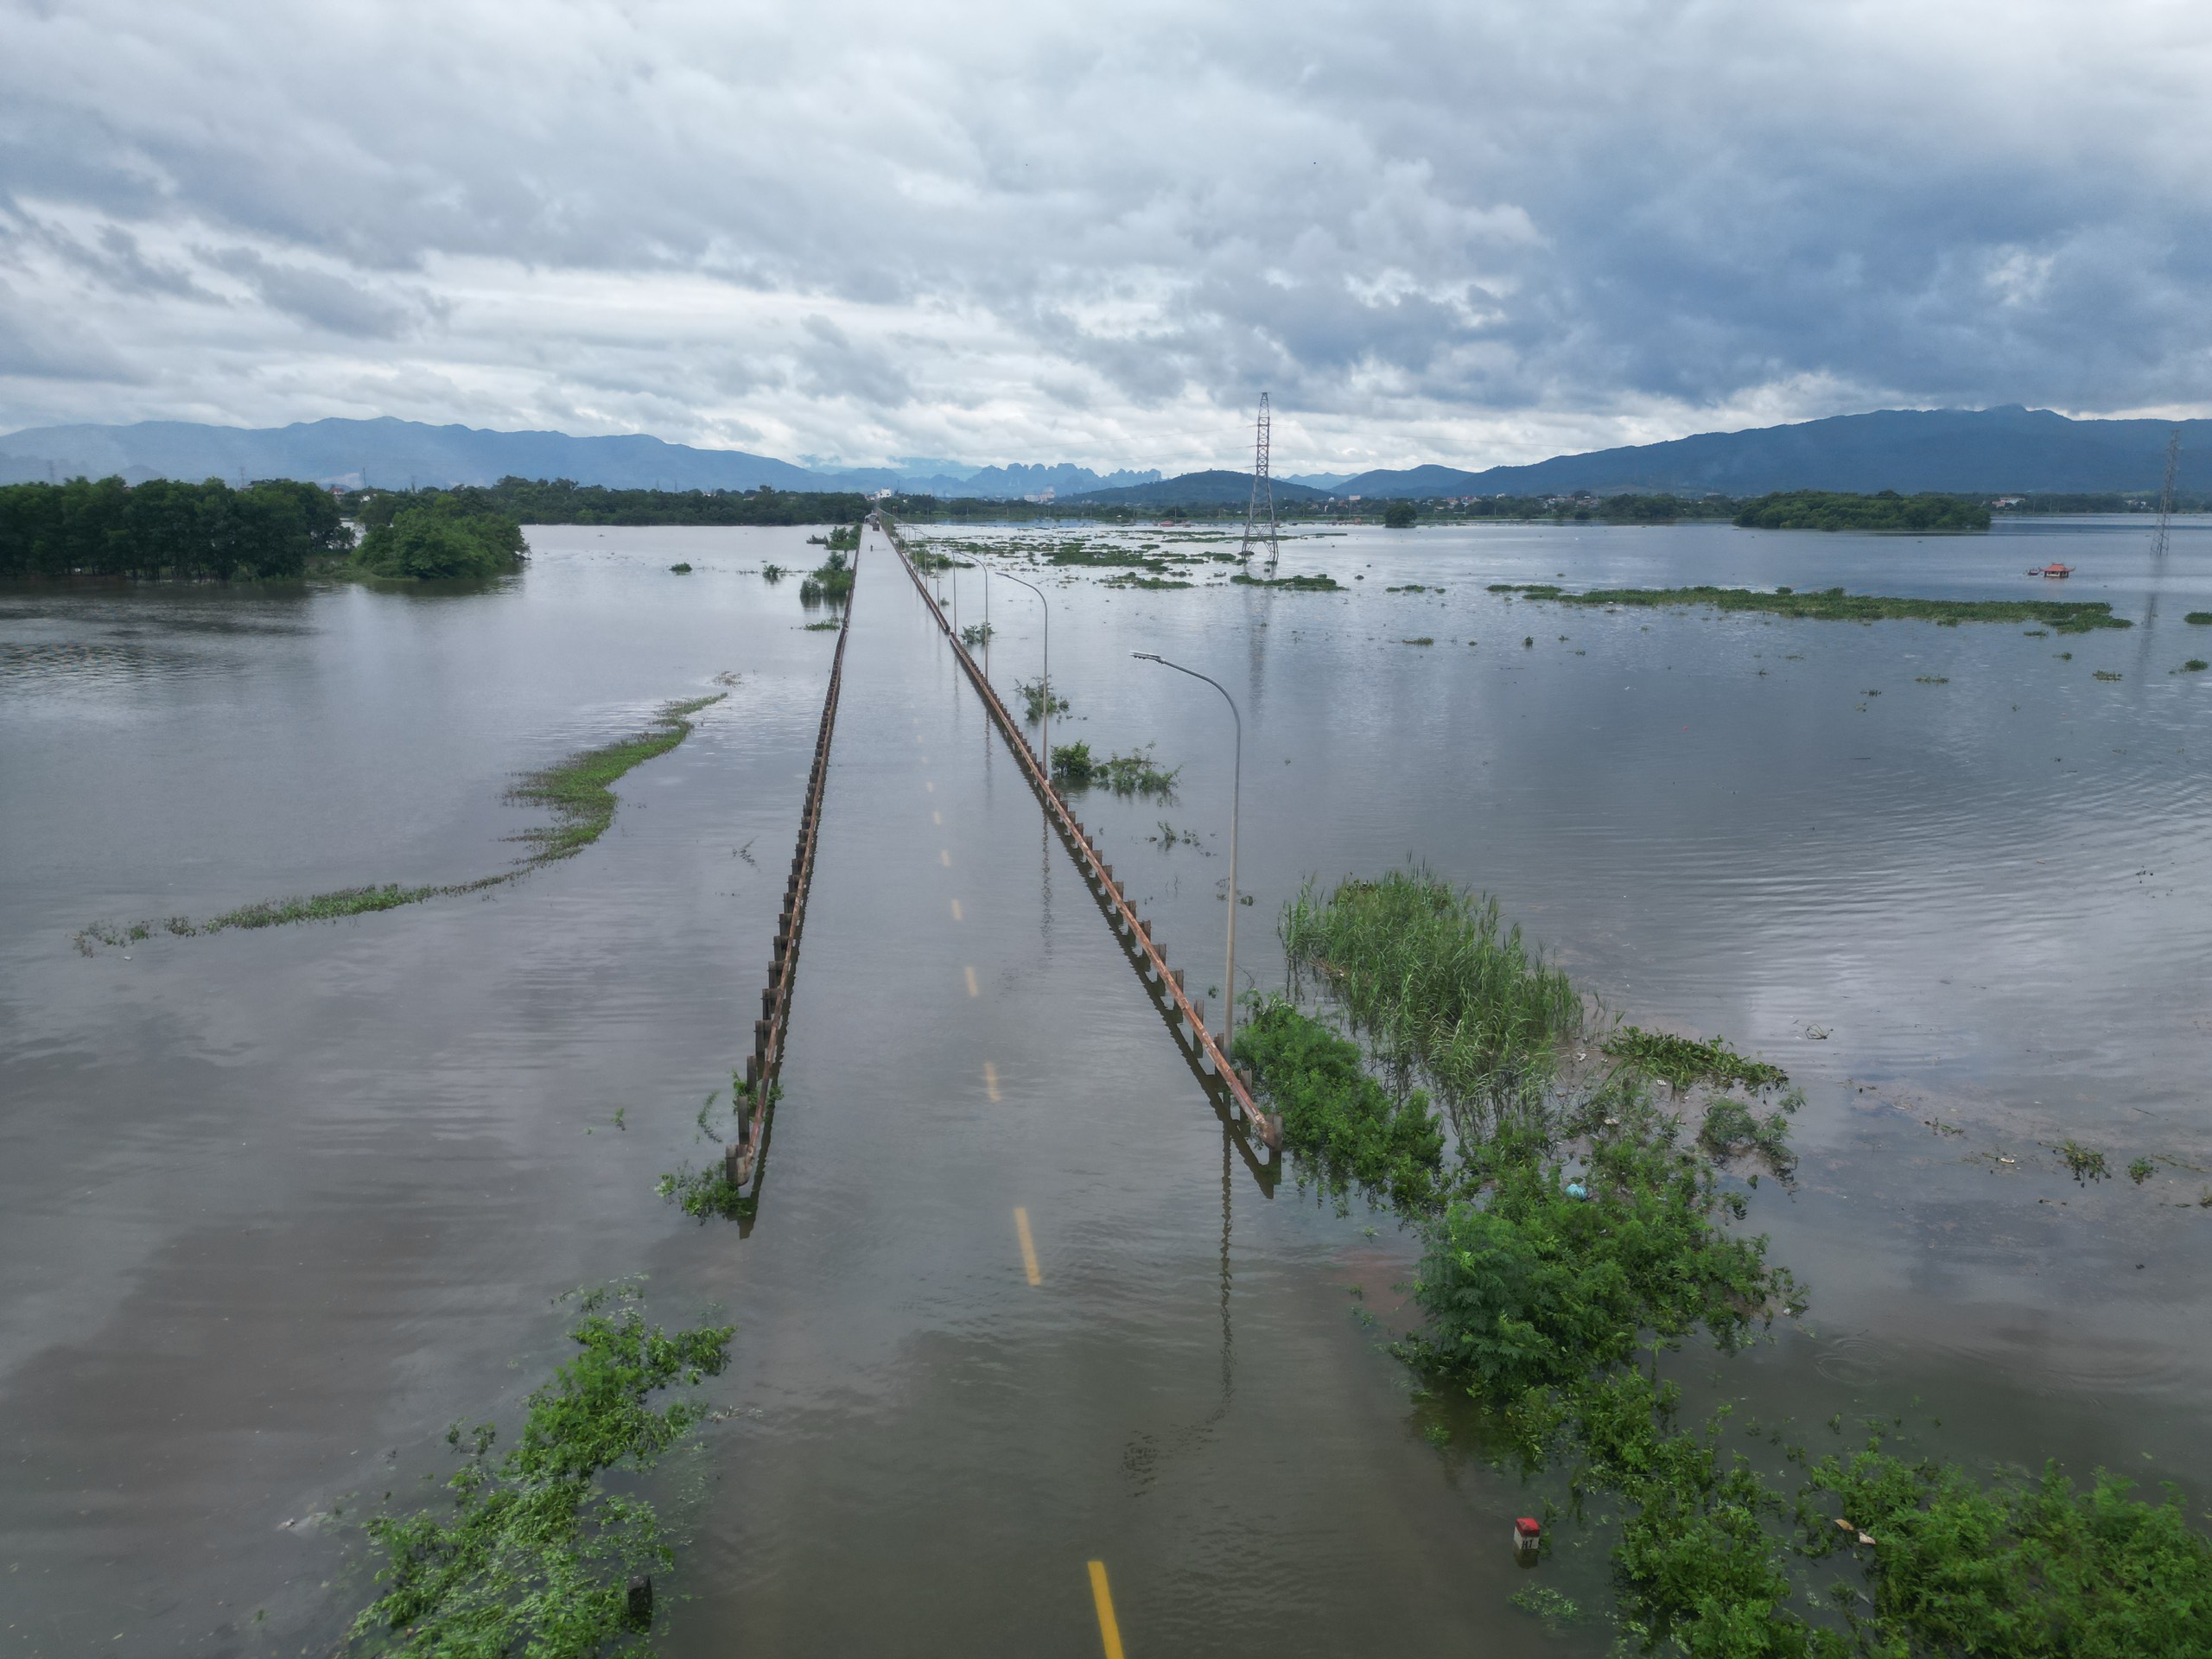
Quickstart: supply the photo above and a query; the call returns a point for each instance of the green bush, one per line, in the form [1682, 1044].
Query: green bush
[1336, 1114]
[1399, 515]
[1527, 1286]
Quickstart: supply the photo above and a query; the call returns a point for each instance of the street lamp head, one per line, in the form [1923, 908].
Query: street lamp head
[1146, 656]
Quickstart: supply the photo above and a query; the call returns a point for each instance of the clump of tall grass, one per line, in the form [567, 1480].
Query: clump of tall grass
[1440, 984]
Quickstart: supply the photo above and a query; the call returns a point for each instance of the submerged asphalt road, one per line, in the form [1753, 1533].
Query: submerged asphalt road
[1012, 1304]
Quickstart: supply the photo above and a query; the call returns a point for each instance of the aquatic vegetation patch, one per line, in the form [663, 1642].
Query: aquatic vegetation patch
[2018, 1568]
[1576, 1238]
[1074, 766]
[1335, 1114]
[1732, 1129]
[703, 1194]
[829, 627]
[976, 634]
[2195, 666]
[1431, 974]
[533, 1555]
[1152, 584]
[1313, 584]
[1833, 604]
[578, 793]
[681, 569]
[1534, 1277]
[2085, 1164]
[1039, 699]
[2200, 618]
[1683, 1061]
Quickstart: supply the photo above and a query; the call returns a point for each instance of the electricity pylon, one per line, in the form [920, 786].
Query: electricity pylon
[2166, 503]
[1263, 489]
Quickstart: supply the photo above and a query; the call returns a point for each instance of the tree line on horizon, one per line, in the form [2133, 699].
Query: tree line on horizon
[278, 528]
[167, 527]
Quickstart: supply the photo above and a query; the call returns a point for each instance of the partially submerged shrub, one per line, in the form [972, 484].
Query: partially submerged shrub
[1335, 1113]
[533, 1556]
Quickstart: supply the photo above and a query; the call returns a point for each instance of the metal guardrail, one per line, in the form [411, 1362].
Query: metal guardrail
[1136, 932]
[741, 1157]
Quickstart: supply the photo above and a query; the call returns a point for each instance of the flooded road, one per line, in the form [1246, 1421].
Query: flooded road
[276, 1207]
[1181, 1395]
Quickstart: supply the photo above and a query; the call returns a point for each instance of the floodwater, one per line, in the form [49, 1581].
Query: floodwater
[276, 1207]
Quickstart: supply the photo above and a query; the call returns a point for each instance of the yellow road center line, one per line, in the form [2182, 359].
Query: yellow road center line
[955, 910]
[936, 818]
[929, 786]
[1109, 1632]
[973, 988]
[990, 1080]
[945, 856]
[1028, 1246]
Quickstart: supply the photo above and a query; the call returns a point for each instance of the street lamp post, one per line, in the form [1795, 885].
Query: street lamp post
[1045, 734]
[1235, 793]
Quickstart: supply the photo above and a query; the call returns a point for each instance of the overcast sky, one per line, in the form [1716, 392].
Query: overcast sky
[1039, 232]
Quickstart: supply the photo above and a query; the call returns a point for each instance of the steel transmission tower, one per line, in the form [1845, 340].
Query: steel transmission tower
[1263, 489]
[2166, 502]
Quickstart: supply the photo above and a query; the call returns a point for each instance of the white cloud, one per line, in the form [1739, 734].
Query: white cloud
[1044, 232]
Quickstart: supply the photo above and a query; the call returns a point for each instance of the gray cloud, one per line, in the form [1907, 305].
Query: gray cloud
[1046, 232]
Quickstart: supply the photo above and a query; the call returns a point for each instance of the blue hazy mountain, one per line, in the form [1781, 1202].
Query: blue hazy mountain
[1976, 451]
[392, 453]
[1018, 480]
[1211, 489]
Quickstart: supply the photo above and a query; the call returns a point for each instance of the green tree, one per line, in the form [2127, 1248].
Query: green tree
[442, 537]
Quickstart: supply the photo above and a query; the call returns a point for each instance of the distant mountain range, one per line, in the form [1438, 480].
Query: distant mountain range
[395, 453]
[1198, 490]
[1980, 452]
[1974, 452]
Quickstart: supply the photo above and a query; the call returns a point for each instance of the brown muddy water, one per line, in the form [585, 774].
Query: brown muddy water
[276, 1207]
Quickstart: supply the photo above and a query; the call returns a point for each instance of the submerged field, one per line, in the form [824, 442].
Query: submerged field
[289, 1202]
